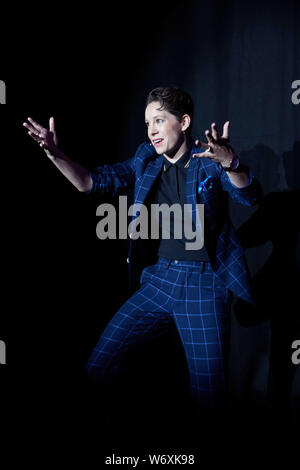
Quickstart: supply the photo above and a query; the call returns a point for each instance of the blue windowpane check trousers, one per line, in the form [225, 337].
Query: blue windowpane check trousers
[185, 292]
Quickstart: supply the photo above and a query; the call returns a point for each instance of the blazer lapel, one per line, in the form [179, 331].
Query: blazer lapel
[145, 182]
[191, 187]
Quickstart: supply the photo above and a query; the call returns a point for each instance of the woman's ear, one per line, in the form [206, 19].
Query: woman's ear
[185, 122]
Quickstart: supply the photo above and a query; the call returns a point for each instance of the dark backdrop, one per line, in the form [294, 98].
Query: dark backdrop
[91, 68]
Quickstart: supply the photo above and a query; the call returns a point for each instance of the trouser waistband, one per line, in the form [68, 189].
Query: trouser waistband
[201, 265]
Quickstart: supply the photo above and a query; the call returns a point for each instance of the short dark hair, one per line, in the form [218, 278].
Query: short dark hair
[174, 100]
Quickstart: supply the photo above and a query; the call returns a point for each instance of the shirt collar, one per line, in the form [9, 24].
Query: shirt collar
[182, 162]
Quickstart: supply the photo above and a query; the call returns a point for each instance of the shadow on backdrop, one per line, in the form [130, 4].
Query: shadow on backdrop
[270, 373]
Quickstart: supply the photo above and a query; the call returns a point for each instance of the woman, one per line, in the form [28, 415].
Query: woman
[191, 288]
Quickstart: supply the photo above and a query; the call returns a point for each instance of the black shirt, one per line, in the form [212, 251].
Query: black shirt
[168, 189]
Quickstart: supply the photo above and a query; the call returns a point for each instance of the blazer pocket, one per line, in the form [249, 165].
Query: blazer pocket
[207, 189]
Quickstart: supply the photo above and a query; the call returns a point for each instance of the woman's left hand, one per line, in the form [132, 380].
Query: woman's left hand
[217, 148]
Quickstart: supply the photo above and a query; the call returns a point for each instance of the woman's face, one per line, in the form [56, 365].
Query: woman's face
[164, 130]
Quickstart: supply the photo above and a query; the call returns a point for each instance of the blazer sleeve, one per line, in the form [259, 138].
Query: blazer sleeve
[249, 195]
[111, 179]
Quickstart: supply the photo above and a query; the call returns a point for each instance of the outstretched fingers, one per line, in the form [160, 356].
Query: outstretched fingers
[33, 132]
[209, 137]
[226, 130]
[34, 129]
[204, 145]
[40, 134]
[35, 124]
[207, 147]
[201, 144]
[214, 131]
[52, 125]
[35, 137]
[216, 145]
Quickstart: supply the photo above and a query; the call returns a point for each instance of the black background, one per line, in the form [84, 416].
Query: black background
[91, 68]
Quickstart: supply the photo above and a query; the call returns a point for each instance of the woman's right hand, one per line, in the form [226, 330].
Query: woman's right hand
[77, 174]
[47, 139]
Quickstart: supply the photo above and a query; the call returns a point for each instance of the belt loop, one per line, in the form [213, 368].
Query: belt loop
[165, 262]
[206, 266]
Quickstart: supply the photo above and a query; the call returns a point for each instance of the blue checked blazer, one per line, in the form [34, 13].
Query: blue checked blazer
[206, 183]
